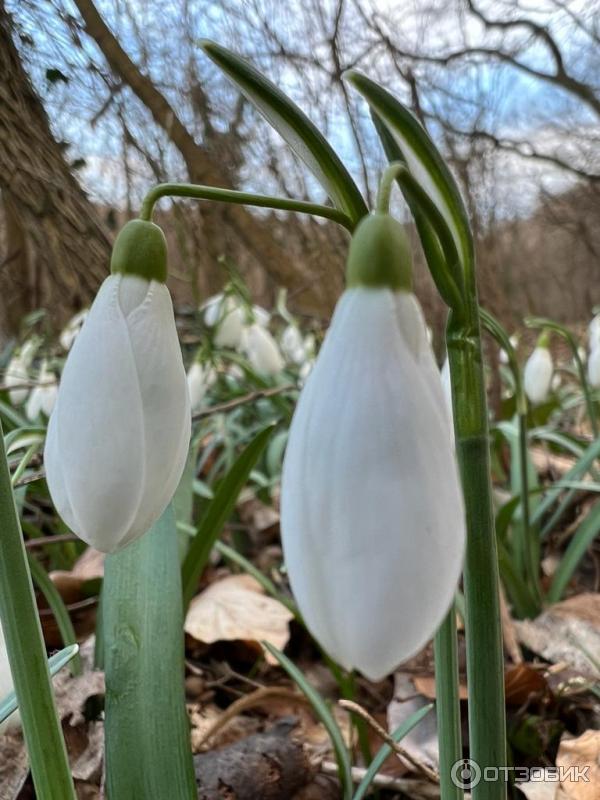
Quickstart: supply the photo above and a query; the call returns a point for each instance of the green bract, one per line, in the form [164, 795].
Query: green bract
[140, 249]
[379, 255]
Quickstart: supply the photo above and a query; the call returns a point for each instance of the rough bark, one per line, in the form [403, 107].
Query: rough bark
[56, 249]
[228, 230]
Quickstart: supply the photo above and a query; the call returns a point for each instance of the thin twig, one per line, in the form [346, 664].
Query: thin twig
[42, 541]
[240, 401]
[411, 787]
[430, 774]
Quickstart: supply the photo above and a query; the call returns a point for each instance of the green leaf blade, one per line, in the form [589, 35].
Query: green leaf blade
[293, 125]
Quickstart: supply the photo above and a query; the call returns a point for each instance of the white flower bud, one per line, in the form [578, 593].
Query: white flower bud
[371, 510]
[537, 376]
[43, 397]
[72, 328]
[261, 350]
[593, 366]
[118, 437]
[199, 380]
[292, 345]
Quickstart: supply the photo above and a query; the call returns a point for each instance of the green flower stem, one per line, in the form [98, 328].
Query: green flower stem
[447, 704]
[27, 655]
[485, 660]
[214, 193]
[148, 752]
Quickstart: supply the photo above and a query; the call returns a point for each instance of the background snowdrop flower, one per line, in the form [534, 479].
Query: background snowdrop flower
[43, 396]
[226, 314]
[292, 345]
[594, 332]
[17, 372]
[593, 367]
[72, 328]
[537, 375]
[118, 438]
[200, 378]
[372, 513]
[261, 316]
[261, 350]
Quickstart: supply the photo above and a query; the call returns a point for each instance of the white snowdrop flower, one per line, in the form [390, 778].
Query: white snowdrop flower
[43, 396]
[6, 686]
[537, 375]
[594, 332]
[292, 345]
[261, 316]
[17, 371]
[593, 368]
[227, 315]
[372, 513]
[261, 350]
[118, 437]
[305, 370]
[72, 328]
[200, 378]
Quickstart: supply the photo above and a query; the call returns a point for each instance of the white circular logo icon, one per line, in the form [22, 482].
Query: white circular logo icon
[465, 774]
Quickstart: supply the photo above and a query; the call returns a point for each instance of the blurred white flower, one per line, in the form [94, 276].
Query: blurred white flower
[17, 371]
[72, 328]
[200, 378]
[261, 350]
[293, 345]
[594, 332]
[594, 367]
[261, 316]
[118, 437]
[305, 370]
[537, 376]
[372, 514]
[502, 354]
[43, 396]
[6, 686]
[225, 313]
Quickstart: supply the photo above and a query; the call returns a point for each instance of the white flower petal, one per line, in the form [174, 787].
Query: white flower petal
[537, 375]
[372, 513]
[262, 351]
[95, 444]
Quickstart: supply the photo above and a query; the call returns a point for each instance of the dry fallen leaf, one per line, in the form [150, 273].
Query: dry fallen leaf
[422, 742]
[521, 682]
[236, 608]
[567, 632]
[578, 776]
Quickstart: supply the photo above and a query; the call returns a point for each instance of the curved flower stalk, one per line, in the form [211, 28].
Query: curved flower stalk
[71, 330]
[118, 437]
[372, 525]
[537, 375]
[17, 372]
[261, 350]
[43, 396]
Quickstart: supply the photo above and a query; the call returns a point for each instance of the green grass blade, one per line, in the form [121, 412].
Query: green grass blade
[57, 606]
[385, 750]
[295, 127]
[322, 711]
[586, 533]
[217, 513]
[148, 751]
[55, 664]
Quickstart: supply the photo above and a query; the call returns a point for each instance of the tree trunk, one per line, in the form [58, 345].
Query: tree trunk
[57, 252]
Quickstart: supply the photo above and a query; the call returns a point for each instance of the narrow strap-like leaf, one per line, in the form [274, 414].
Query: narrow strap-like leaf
[293, 125]
[422, 158]
[217, 513]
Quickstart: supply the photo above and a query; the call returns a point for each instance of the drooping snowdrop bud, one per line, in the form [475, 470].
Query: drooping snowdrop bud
[372, 512]
[225, 313]
[43, 396]
[593, 367]
[537, 375]
[72, 328]
[200, 378]
[292, 345]
[261, 350]
[118, 437]
[594, 332]
[261, 316]
[17, 372]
